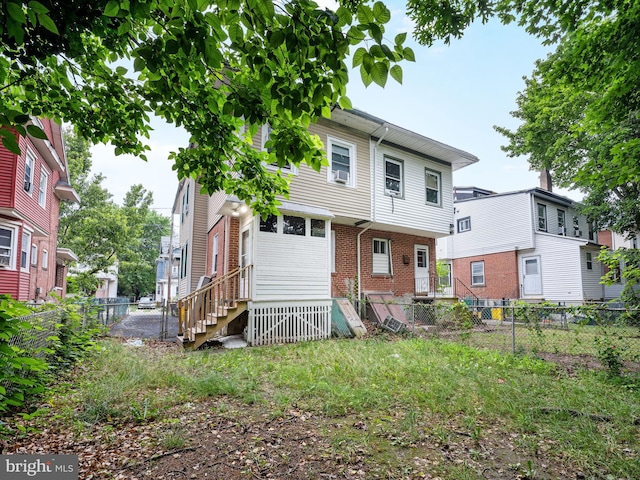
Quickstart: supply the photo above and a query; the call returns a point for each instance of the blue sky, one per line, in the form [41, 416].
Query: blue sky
[453, 94]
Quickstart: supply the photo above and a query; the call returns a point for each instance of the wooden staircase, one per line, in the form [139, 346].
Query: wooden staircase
[205, 312]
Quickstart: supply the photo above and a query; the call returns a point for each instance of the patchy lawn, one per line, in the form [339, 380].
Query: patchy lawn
[381, 407]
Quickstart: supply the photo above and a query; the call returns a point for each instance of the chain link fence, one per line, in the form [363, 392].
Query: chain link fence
[590, 335]
[36, 339]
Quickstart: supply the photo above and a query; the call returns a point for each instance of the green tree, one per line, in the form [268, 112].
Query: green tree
[220, 69]
[95, 229]
[136, 268]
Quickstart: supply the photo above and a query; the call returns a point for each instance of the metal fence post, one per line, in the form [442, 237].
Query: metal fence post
[513, 329]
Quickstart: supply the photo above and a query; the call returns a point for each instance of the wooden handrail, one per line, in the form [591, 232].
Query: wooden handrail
[213, 300]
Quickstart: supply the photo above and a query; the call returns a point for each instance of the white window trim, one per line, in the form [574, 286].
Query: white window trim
[264, 136]
[386, 255]
[42, 188]
[483, 274]
[45, 259]
[25, 242]
[30, 158]
[34, 255]
[214, 253]
[352, 161]
[438, 175]
[400, 163]
[12, 247]
[538, 217]
[464, 224]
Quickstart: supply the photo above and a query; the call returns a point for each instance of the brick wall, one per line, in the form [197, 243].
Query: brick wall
[402, 248]
[500, 273]
[218, 229]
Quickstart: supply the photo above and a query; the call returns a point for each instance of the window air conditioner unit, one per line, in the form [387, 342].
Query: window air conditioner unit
[392, 193]
[340, 176]
[27, 186]
[562, 231]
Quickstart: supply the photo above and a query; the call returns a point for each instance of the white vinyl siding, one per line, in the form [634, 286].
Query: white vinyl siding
[500, 223]
[291, 267]
[412, 213]
[380, 256]
[309, 187]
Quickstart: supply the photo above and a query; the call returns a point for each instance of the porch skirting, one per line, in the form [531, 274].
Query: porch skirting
[287, 322]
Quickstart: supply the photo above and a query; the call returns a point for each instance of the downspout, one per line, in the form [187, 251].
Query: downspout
[359, 267]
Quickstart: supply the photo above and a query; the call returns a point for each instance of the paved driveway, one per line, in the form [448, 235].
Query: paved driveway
[144, 324]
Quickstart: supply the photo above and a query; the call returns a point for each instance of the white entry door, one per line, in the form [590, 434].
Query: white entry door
[245, 260]
[421, 269]
[532, 278]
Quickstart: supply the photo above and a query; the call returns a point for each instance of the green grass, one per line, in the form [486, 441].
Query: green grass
[406, 391]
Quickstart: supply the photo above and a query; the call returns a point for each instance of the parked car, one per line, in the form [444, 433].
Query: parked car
[146, 302]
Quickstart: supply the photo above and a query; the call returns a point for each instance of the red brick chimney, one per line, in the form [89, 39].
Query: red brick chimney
[545, 180]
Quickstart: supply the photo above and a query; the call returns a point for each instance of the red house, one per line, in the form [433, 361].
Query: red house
[32, 185]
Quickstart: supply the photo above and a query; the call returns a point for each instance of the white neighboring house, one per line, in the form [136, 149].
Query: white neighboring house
[108, 280]
[167, 267]
[530, 245]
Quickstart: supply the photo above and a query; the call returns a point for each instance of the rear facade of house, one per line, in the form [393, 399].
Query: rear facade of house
[32, 184]
[366, 223]
[530, 245]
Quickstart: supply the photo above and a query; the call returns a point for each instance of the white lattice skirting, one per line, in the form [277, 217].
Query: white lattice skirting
[288, 323]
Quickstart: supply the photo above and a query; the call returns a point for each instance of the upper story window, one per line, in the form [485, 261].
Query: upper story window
[28, 172]
[342, 158]
[42, 188]
[562, 224]
[477, 273]
[6, 247]
[433, 186]
[634, 242]
[185, 203]
[393, 177]
[542, 217]
[576, 227]
[380, 256]
[464, 224]
[592, 232]
[266, 136]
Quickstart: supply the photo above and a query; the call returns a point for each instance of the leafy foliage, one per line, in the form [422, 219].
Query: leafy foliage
[220, 69]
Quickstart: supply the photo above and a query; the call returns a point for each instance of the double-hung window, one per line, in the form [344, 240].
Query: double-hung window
[542, 217]
[477, 273]
[6, 247]
[562, 224]
[34, 255]
[464, 224]
[433, 187]
[42, 188]
[214, 256]
[29, 164]
[24, 251]
[380, 256]
[45, 259]
[393, 177]
[342, 156]
[589, 261]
